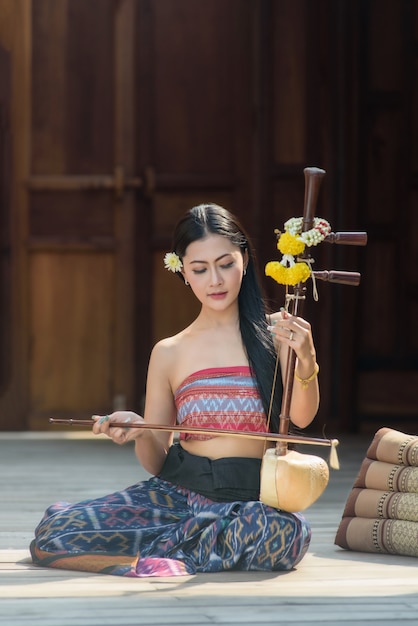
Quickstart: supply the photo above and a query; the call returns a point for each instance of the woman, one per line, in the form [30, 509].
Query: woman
[200, 510]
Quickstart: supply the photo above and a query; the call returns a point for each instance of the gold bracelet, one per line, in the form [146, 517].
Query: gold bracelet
[305, 381]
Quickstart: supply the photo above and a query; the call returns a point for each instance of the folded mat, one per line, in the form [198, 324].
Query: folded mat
[378, 535]
[375, 504]
[381, 512]
[387, 476]
[395, 447]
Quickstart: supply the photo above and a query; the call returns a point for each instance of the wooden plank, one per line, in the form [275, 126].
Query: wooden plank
[71, 348]
[290, 82]
[124, 374]
[49, 95]
[16, 22]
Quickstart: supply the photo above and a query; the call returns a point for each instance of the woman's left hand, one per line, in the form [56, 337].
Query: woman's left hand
[295, 333]
[292, 332]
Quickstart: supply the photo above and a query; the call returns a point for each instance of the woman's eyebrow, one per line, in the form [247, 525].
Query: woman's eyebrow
[218, 259]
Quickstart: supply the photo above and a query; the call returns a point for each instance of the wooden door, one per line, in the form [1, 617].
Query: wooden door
[82, 207]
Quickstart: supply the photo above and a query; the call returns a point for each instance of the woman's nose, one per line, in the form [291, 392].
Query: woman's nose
[215, 278]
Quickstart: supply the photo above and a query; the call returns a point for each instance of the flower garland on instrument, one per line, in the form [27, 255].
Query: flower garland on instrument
[291, 243]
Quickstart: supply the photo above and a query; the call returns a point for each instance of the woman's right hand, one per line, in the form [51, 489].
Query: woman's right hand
[119, 434]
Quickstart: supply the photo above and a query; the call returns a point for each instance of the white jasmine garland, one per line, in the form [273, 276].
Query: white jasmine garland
[312, 237]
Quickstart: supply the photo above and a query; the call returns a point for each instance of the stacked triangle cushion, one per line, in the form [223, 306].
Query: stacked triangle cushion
[381, 512]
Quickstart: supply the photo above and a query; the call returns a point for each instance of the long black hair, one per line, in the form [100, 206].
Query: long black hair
[206, 219]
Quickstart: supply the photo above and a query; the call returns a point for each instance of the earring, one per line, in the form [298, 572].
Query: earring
[186, 282]
[245, 271]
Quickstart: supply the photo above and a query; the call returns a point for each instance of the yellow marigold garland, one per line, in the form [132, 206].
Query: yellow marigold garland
[297, 273]
[288, 244]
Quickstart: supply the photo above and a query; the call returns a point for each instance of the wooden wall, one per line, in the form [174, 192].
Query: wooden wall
[387, 360]
[124, 113]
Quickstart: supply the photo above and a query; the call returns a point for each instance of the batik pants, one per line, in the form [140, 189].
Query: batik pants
[155, 528]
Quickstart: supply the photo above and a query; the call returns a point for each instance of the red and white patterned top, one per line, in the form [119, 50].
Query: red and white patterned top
[225, 398]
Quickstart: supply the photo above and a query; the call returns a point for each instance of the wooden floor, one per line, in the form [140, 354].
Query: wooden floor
[330, 586]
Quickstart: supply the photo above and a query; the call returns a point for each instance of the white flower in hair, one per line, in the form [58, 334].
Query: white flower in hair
[172, 262]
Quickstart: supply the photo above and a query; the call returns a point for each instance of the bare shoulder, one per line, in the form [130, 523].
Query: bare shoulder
[164, 352]
[166, 355]
[159, 405]
[173, 358]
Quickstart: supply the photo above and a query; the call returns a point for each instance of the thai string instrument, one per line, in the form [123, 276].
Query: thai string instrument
[292, 481]
[289, 480]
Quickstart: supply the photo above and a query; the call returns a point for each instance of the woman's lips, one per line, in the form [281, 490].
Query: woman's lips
[218, 295]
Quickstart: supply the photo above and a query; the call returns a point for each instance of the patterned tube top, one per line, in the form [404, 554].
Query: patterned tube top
[224, 398]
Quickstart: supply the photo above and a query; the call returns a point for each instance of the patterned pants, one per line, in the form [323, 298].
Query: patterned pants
[155, 528]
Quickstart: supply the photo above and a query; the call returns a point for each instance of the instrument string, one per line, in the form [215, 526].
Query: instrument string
[273, 388]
